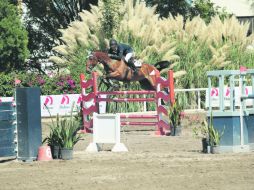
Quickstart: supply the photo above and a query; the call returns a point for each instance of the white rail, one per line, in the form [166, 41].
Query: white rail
[198, 90]
[198, 94]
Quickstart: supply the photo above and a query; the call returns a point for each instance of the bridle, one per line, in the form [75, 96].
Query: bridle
[94, 58]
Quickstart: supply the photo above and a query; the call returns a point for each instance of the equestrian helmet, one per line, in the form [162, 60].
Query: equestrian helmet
[113, 42]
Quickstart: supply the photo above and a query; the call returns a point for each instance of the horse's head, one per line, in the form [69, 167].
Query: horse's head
[95, 58]
[92, 61]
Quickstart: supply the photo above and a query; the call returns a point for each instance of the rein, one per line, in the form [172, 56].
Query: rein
[105, 64]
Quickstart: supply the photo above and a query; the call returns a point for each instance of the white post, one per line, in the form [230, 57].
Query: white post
[158, 90]
[144, 104]
[241, 110]
[199, 101]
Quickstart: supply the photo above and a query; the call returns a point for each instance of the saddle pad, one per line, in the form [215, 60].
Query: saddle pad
[138, 63]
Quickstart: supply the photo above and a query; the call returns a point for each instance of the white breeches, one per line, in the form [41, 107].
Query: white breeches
[128, 56]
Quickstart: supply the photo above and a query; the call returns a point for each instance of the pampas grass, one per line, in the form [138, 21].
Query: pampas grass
[194, 47]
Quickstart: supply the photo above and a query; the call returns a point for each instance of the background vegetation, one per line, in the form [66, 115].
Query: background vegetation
[13, 39]
[195, 45]
[42, 21]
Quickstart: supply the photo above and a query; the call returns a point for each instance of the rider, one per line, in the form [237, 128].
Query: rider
[118, 51]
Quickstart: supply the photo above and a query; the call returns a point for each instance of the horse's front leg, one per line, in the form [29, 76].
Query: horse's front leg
[105, 81]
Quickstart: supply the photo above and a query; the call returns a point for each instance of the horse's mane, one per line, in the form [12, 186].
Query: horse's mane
[102, 55]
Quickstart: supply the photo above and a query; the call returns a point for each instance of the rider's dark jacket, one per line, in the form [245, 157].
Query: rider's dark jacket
[122, 50]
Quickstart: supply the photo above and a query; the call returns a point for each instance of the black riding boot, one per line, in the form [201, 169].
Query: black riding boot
[132, 66]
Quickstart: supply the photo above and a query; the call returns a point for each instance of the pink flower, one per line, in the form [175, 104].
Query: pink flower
[17, 81]
[243, 69]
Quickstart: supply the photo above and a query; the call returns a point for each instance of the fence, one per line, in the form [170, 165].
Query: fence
[194, 100]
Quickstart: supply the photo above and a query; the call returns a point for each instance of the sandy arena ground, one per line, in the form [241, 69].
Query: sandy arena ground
[152, 163]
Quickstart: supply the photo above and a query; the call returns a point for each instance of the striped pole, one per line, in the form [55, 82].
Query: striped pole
[128, 92]
[138, 116]
[125, 99]
[159, 130]
[171, 87]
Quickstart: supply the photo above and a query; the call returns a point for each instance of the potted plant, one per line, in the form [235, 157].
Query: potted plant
[214, 137]
[63, 136]
[53, 139]
[202, 132]
[175, 115]
[68, 136]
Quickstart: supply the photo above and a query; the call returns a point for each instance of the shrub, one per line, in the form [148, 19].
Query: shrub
[63, 84]
[13, 39]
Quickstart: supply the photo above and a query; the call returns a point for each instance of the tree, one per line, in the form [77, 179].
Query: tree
[13, 39]
[44, 18]
[206, 10]
[173, 7]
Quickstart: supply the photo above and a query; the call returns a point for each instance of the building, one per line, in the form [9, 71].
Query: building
[242, 9]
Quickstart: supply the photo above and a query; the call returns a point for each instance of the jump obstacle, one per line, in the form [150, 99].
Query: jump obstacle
[20, 125]
[158, 95]
[234, 114]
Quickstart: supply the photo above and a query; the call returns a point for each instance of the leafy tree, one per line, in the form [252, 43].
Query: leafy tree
[206, 9]
[13, 39]
[173, 7]
[43, 20]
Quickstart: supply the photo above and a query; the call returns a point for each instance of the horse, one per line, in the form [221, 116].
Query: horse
[118, 70]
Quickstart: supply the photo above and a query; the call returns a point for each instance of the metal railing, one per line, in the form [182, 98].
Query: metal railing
[198, 95]
[194, 101]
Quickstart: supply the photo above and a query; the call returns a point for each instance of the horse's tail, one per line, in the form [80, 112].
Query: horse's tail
[162, 65]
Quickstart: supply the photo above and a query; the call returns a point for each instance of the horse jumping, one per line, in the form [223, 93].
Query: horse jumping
[118, 70]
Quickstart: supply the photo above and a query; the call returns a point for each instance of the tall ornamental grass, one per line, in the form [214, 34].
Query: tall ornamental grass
[192, 46]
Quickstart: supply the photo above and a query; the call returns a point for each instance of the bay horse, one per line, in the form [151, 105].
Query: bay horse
[118, 70]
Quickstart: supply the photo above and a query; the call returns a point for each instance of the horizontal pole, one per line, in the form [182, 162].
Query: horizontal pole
[125, 99]
[191, 90]
[251, 96]
[218, 73]
[127, 92]
[138, 116]
[139, 123]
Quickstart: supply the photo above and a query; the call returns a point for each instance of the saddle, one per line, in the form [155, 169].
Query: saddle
[137, 63]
